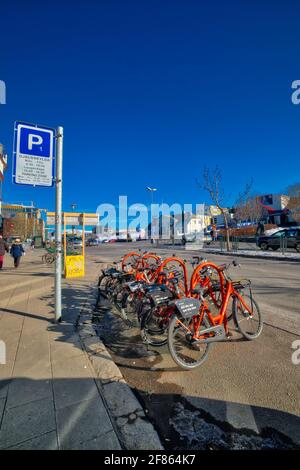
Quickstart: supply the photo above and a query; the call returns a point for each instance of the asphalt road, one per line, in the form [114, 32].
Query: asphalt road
[247, 393]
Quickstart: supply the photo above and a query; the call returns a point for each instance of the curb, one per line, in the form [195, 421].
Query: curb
[256, 256]
[216, 251]
[134, 430]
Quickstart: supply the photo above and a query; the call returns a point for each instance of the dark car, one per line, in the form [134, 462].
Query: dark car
[292, 236]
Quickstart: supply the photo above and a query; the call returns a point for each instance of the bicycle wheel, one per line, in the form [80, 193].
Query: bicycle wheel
[130, 262]
[186, 353]
[49, 258]
[103, 283]
[250, 325]
[153, 327]
[118, 295]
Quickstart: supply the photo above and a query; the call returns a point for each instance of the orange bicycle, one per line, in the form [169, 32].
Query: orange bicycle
[195, 324]
[133, 261]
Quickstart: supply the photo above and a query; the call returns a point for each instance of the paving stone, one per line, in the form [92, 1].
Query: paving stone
[108, 441]
[71, 391]
[37, 370]
[73, 368]
[82, 422]
[4, 383]
[27, 421]
[61, 350]
[45, 442]
[33, 352]
[24, 390]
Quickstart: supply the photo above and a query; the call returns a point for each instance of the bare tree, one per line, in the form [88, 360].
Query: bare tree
[242, 206]
[293, 191]
[248, 206]
[212, 183]
[294, 208]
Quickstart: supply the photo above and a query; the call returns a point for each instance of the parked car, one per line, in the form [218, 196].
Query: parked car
[292, 236]
[74, 242]
[92, 242]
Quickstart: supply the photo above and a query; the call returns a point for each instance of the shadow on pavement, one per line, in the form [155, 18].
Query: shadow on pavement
[65, 412]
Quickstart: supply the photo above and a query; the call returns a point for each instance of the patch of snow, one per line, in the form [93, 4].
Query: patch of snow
[256, 253]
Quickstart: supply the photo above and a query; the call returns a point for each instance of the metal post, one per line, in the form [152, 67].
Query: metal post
[58, 221]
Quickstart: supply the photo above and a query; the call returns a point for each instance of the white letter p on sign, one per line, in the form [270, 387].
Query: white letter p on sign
[34, 139]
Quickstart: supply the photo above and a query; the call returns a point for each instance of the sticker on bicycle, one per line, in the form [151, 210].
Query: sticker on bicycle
[160, 296]
[188, 307]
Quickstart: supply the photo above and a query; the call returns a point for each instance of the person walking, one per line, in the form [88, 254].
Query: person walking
[17, 251]
[32, 244]
[260, 228]
[3, 249]
[215, 233]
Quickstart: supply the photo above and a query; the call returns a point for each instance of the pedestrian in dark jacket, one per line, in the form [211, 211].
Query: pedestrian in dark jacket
[260, 228]
[3, 250]
[17, 251]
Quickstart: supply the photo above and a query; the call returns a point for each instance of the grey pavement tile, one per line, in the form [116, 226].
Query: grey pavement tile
[12, 328]
[47, 441]
[24, 390]
[33, 335]
[26, 422]
[108, 441]
[82, 422]
[6, 369]
[61, 330]
[61, 350]
[37, 351]
[74, 367]
[35, 369]
[71, 391]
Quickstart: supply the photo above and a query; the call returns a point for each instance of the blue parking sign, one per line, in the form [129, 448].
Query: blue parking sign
[33, 155]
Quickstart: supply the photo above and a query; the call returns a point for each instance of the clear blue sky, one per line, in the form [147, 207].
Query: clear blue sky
[150, 91]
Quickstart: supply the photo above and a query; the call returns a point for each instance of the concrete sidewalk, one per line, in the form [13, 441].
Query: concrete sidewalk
[49, 393]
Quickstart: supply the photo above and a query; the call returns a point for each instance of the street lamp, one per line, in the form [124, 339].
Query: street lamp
[152, 190]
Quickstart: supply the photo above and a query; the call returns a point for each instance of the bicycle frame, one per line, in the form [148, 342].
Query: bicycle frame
[221, 318]
[196, 279]
[181, 262]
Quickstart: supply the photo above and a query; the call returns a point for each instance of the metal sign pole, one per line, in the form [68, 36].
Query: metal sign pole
[58, 221]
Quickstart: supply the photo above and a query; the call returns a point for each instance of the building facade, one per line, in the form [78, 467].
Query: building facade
[23, 221]
[276, 208]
